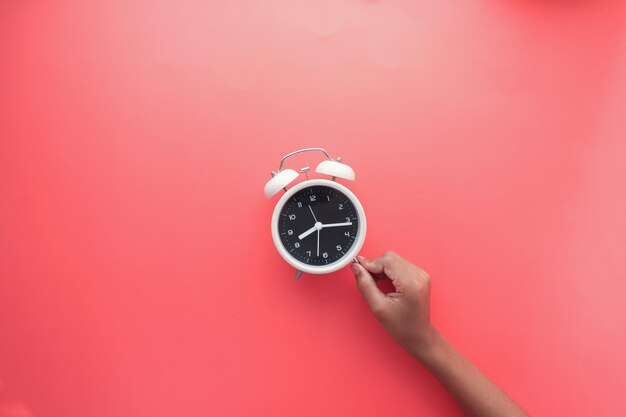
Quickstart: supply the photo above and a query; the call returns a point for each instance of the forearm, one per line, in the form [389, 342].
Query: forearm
[405, 314]
[474, 392]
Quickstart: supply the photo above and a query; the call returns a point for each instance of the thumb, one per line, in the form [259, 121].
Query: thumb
[366, 285]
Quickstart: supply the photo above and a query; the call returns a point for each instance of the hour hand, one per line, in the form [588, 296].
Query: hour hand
[308, 232]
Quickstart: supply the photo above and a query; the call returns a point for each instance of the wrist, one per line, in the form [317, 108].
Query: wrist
[427, 345]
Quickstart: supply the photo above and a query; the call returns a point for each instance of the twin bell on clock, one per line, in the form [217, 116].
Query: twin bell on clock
[318, 225]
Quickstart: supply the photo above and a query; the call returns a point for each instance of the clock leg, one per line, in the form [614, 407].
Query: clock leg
[298, 273]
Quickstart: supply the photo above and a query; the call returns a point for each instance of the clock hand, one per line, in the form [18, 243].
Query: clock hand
[318, 242]
[308, 232]
[337, 224]
[316, 226]
[313, 213]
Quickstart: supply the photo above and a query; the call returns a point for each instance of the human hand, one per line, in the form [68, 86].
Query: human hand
[404, 313]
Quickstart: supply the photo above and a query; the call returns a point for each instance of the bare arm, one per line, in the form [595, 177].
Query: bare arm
[405, 314]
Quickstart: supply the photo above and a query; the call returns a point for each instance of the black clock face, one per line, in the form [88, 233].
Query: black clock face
[318, 225]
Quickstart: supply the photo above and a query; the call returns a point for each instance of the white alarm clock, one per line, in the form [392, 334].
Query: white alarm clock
[318, 225]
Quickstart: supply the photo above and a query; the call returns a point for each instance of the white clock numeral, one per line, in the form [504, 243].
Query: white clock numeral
[312, 197]
[292, 217]
[338, 248]
[299, 204]
[290, 232]
[328, 197]
[347, 234]
[308, 252]
[348, 219]
[340, 206]
[297, 244]
[325, 255]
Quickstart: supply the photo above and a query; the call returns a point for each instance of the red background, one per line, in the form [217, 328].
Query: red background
[137, 270]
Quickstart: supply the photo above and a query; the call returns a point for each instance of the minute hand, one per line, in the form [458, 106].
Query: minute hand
[337, 224]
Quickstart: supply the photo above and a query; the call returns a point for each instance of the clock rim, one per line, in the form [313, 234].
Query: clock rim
[343, 261]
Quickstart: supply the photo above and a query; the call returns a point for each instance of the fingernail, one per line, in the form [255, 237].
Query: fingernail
[361, 258]
[354, 268]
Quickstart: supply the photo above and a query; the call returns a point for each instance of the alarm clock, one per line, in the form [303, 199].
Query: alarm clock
[318, 225]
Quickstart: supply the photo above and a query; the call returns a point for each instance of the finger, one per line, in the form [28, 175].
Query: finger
[384, 264]
[376, 275]
[364, 281]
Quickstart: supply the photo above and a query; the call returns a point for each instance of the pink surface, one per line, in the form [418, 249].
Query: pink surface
[137, 272]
